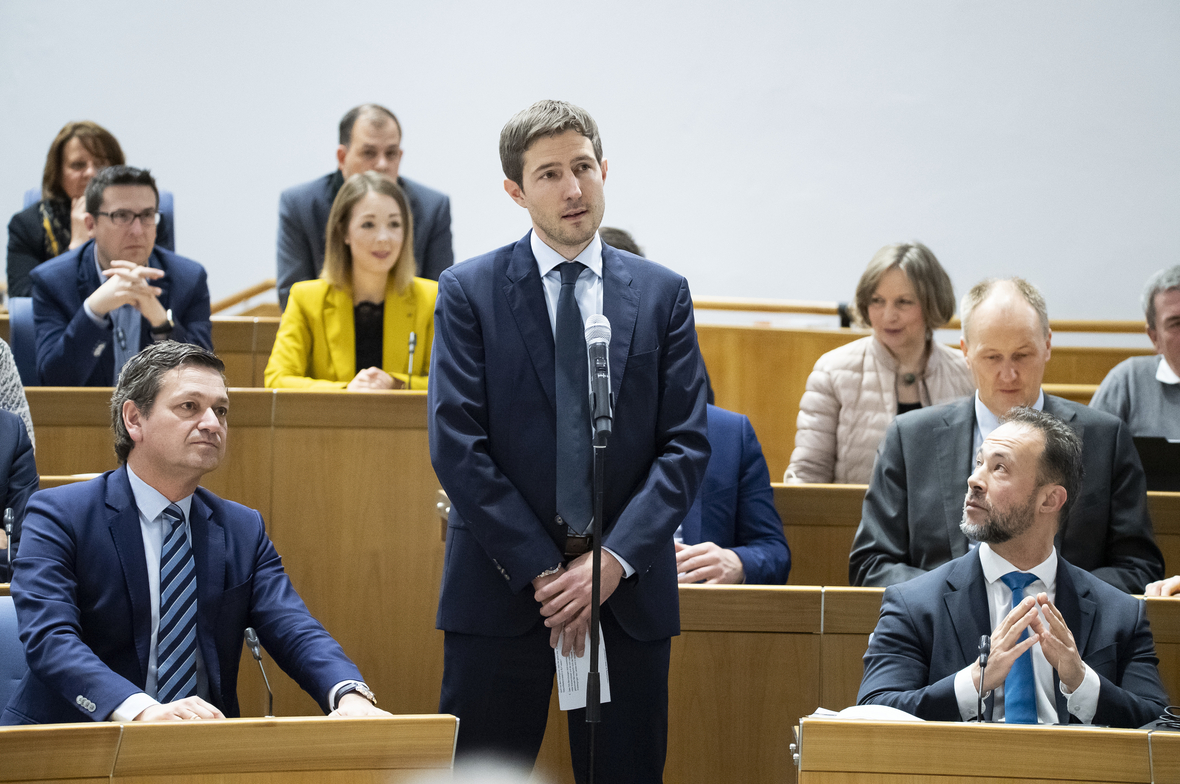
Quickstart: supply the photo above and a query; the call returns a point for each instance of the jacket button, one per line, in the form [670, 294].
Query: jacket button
[79, 699]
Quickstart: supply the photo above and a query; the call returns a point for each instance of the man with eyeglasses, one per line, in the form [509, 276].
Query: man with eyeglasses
[98, 305]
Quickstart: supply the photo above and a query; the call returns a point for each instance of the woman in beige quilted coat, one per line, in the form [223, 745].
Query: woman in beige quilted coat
[856, 390]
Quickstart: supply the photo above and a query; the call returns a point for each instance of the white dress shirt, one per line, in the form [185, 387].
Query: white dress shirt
[588, 292]
[1165, 374]
[1082, 703]
[151, 505]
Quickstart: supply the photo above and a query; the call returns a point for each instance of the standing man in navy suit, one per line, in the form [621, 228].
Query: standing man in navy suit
[516, 579]
[94, 584]
[370, 140]
[97, 305]
[1066, 647]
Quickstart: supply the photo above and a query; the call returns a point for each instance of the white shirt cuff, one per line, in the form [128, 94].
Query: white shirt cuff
[628, 570]
[332, 692]
[1083, 703]
[101, 321]
[966, 695]
[132, 706]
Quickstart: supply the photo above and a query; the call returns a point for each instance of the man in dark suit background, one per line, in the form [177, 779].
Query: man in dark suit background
[18, 481]
[733, 533]
[95, 306]
[513, 577]
[1065, 646]
[93, 582]
[370, 140]
[910, 520]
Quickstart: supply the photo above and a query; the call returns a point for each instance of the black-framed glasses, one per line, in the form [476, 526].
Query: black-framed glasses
[126, 217]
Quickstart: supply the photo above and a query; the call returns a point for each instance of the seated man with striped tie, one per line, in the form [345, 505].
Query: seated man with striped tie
[133, 590]
[1065, 646]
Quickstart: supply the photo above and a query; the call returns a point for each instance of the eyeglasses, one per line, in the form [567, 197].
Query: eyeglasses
[126, 217]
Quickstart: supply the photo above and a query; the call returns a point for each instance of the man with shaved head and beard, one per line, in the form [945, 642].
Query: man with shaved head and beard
[910, 520]
[1065, 646]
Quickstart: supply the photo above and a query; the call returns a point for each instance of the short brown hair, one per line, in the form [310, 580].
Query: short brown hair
[980, 291]
[1061, 458]
[373, 112]
[141, 378]
[931, 284]
[98, 140]
[338, 255]
[544, 118]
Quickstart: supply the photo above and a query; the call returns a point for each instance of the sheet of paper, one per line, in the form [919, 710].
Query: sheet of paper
[572, 673]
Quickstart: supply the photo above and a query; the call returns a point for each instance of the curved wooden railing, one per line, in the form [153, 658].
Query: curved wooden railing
[242, 296]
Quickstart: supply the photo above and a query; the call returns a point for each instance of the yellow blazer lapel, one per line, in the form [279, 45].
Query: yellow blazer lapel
[340, 332]
[401, 310]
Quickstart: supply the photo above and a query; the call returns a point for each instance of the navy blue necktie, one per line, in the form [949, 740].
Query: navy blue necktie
[575, 456]
[1020, 688]
[176, 639]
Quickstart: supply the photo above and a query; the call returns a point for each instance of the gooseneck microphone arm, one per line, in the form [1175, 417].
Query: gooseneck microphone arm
[252, 644]
[985, 649]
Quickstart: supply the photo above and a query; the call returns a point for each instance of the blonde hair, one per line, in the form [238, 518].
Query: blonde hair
[338, 255]
[932, 285]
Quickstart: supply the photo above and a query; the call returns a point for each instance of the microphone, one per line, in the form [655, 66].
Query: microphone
[410, 369]
[985, 649]
[9, 524]
[252, 644]
[598, 353]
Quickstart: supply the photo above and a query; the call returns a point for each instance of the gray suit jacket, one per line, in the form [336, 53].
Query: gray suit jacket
[303, 229]
[910, 520]
[930, 628]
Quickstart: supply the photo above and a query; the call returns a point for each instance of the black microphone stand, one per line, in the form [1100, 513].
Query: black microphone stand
[602, 429]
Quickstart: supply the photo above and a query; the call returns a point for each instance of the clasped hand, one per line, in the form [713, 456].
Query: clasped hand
[373, 378]
[1051, 632]
[128, 283]
[565, 599]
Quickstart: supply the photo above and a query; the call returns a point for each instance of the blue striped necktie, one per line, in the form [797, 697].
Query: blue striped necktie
[575, 452]
[176, 640]
[1020, 693]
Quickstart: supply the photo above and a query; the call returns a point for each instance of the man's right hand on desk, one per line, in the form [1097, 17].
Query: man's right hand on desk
[188, 709]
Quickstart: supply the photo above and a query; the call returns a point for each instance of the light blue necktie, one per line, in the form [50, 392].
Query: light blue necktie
[176, 640]
[1020, 692]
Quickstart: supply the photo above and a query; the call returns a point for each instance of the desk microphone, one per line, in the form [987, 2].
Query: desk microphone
[410, 369]
[9, 524]
[985, 649]
[252, 644]
[598, 354]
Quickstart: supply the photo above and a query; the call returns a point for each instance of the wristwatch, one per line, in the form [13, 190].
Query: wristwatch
[355, 687]
[163, 331]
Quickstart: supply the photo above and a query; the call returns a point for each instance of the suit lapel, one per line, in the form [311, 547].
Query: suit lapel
[620, 305]
[526, 299]
[123, 522]
[400, 309]
[87, 276]
[966, 601]
[955, 438]
[208, 539]
[340, 333]
[1079, 610]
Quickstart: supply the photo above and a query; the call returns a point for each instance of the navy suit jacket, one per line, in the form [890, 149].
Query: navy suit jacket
[735, 507]
[914, 504]
[491, 407]
[303, 230]
[73, 351]
[18, 478]
[930, 627]
[84, 608]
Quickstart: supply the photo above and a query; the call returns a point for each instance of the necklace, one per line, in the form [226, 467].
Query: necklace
[908, 379]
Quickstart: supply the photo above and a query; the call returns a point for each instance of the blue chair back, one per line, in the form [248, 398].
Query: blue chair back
[22, 337]
[165, 236]
[12, 654]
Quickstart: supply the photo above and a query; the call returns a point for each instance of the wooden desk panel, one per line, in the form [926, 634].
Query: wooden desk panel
[854, 751]
[820, 522]
[81, 753]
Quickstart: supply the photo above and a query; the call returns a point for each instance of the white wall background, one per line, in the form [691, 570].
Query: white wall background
[760, 148]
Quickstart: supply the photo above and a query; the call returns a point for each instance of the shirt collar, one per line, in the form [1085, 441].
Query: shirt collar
[150, 501]
[548, 259]
[1165, 373]
[986, 421]
[995, 567]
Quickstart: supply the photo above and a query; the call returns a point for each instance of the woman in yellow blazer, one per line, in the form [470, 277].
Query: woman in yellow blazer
[362, 324]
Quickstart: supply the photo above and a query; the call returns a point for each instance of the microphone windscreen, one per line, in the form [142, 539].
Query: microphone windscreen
[597, 330]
